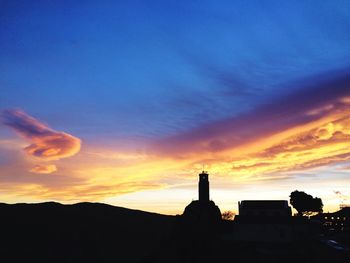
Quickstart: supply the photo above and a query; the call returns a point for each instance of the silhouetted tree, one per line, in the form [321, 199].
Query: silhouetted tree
[227, 215]
[305, 204]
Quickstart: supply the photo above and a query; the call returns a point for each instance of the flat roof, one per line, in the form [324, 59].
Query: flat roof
[267, 204]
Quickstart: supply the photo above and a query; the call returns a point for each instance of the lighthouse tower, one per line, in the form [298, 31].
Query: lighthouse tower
[203, 187]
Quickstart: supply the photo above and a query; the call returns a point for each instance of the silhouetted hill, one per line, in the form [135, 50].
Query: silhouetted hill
[83, 232]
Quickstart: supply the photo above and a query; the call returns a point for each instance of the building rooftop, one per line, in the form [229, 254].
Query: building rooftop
[264, 204]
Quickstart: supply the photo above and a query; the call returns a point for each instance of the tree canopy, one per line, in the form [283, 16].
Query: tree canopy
[228, 215]
[305, 204]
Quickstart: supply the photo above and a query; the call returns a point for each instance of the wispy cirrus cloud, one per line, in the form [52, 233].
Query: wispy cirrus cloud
[307, 105]
[277, 141]
[301, 130]
[45, 143]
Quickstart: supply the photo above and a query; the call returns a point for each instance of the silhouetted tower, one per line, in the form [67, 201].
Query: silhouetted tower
[203, 187]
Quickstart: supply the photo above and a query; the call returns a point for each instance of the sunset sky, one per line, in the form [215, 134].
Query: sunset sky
[125, 102]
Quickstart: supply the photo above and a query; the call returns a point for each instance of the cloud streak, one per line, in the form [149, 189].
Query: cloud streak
[276, 141]
[308, 104]
[45, 143]
[44, 169]
[304, 129]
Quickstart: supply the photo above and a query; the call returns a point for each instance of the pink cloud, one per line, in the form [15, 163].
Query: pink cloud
[44, 169]
[306, 105]
[45, 143]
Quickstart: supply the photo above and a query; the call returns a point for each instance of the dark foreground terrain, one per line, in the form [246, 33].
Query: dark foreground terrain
[92, 232]
[85, 232]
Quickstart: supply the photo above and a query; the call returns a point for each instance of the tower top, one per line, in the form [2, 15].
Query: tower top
[203, 187]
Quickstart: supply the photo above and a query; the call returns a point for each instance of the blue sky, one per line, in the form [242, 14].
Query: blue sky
[132, 72]
[158, 67]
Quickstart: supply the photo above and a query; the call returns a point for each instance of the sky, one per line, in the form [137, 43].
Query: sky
[126, 102]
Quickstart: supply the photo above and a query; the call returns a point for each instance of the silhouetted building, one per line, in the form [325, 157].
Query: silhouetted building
[269, 221]
[203, 211]
[264, 208]
[338, 221]
[203, 187]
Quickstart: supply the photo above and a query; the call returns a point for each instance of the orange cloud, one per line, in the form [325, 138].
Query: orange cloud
[319, 142]
[75, 192]
[306, 129]
[44, 169]
[272, 142]
[46, 143]
[306, 106]
[324, 139]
